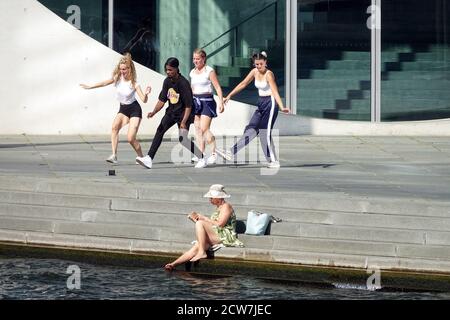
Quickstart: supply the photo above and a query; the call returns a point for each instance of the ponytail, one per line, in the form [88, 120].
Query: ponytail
[260, 56]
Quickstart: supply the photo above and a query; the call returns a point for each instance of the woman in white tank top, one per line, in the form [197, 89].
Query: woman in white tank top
[130, 112]
[203, 79]
[264, 117]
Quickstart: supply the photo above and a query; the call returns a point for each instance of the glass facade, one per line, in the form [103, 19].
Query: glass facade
[336, 54]
[89, 16]
[415, 60]
[333, 59]
[230, 31]
[135, 30]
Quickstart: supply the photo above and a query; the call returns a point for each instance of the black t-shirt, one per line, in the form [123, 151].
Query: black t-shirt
[179, 95]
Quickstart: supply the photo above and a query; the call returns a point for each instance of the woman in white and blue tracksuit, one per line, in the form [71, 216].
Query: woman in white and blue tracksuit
[264, 117]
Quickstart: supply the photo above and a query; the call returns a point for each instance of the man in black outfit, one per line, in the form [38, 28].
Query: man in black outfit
[177, 90]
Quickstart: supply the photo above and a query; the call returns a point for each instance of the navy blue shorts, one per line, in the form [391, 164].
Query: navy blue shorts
[131, 110]
[204, 104]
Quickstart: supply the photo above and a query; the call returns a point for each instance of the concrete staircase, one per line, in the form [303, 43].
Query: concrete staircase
[316, 230]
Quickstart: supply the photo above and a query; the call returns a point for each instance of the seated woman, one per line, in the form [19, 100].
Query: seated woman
[219, 229]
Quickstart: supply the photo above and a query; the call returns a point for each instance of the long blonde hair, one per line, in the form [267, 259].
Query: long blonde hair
[126, 60]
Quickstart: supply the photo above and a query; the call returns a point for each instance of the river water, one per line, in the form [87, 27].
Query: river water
[50, 279]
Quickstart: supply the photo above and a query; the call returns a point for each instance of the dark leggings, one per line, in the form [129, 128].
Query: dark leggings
[166, 123]
[263, 119]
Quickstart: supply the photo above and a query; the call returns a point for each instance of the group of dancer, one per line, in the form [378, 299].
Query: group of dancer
[193, 102]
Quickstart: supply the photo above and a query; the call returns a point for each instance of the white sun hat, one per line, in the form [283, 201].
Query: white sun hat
[217, 191]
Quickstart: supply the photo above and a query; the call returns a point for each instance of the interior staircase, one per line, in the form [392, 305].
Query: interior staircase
[334, 63]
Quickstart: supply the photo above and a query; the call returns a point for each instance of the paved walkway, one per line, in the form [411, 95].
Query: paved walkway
[391, 167]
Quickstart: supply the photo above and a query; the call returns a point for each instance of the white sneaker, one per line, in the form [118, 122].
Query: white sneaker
[137, 161]
[145, 161]
[224, 154]
[212, 159]
[112, 159]
[194, 159]
[201, 163]
[274, 165]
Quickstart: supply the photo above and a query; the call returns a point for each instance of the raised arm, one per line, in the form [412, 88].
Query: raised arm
[98, 85]
[143, 96]
[218, 88]
[241, 86]
[274, 88]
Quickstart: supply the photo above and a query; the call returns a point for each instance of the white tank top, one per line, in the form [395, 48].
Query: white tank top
[200, 82]
[125, 92]
[263, 87]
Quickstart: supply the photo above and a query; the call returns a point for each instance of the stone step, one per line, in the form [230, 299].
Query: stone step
[339, 74]
[355, 84]
[307, 84]
[53, 199]
[388, 93]
[352, 111]
[409, 254]
[174, 214]
[251, 199]
[416, 75]
[334, 94]
[276, 243]
[426, 66]
[410, 104]
[340, 104]
[186, 235]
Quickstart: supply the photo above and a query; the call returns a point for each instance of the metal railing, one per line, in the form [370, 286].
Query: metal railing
[234, 30]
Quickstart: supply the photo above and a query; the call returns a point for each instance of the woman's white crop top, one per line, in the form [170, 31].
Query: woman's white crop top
[263, 87]
[200, 82]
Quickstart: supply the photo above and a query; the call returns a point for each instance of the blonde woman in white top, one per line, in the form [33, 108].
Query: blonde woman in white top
[203, 79]
[130, 112]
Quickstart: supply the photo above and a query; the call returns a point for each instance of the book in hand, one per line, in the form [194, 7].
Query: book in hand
[193, 216]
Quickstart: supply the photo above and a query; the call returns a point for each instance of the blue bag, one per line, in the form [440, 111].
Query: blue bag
[257, 223]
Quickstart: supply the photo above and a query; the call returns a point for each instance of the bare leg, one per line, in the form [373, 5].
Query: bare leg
[205, 124]
[132, 132]
[185, 257]
[211, 140]
[206, 237]
[199, 134]
[119, 122]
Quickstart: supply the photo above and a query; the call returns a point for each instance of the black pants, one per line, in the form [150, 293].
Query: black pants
[166, 123]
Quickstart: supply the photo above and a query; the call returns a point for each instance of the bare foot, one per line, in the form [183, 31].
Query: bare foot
[199, 256]
[169, 267]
